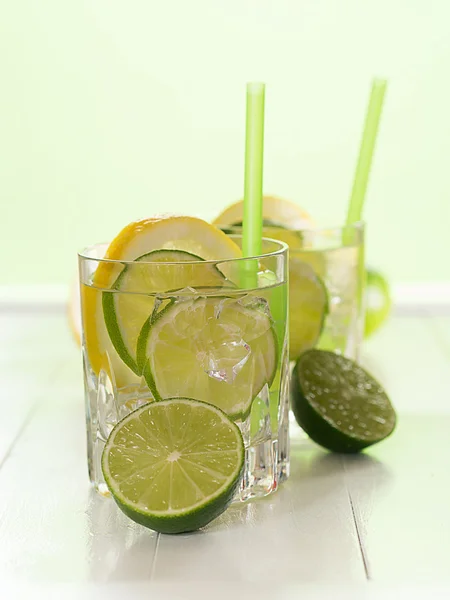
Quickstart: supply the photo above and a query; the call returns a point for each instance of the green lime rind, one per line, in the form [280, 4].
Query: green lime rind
[338, 404]
[140, 306]
[148, 439]
[141, 348]
[115, 333]
[218, 396]
[308, 307]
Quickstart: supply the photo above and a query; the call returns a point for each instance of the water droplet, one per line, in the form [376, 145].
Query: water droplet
[379, 420]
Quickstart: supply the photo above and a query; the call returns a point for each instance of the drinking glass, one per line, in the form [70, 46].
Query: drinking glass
[216, 331]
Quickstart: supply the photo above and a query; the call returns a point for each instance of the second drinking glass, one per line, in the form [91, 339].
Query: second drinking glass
[326, 287]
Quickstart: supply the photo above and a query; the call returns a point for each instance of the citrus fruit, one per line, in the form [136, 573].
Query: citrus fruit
[127, 307]
[308, 307]
[276, 211]
[338, 404]
[221, 350]
[174, 465]
[187, 234]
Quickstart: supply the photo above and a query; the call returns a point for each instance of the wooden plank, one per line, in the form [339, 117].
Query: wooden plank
[32, 349]
[400, 492]
[53, 527]
[200, 590]
[400, 489]
[440, 327]
[406, 358]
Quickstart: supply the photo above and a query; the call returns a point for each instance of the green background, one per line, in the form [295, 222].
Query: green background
[112, 111]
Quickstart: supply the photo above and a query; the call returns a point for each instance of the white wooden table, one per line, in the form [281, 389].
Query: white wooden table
[342, 526]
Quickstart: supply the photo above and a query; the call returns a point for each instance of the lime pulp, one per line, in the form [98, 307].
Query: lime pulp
[174, 465]
[219, 349]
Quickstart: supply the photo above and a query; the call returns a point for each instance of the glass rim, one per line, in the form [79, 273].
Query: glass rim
[282, 250]
[357, 226]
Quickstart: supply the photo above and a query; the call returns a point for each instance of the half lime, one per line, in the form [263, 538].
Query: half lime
[338, 404]
[174, 466]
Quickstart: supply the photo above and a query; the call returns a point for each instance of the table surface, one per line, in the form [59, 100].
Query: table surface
[360, 526]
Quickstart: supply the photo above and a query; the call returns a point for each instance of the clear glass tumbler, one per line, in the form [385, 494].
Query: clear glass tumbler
[211, 330]
[336, 260]
[326, 287]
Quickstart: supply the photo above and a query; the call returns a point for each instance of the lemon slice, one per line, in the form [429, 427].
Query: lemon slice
[168, 232]
[221, 350]
[277, 212]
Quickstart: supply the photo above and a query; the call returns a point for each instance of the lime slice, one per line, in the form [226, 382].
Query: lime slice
[221, 350]
[125, 313]
[338, 404]
[174, 466]
[308, 307]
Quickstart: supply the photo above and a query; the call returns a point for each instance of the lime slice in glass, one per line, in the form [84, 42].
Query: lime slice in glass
[221, 350]
[174, 466]
[129, 305]
[308, 307]
[338, 404]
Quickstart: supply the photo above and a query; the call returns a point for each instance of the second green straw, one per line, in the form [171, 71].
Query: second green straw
[368, 140]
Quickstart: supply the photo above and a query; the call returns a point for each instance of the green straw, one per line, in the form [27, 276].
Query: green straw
[253, 181]
[364, 164]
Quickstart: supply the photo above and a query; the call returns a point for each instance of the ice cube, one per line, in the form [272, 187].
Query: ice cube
[107, 414]
[224, 362]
